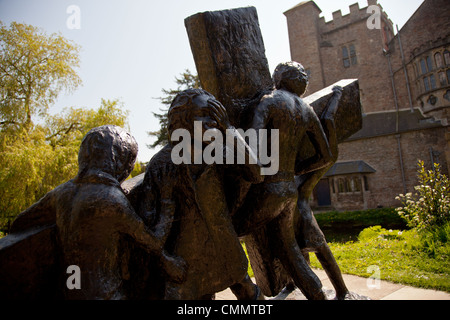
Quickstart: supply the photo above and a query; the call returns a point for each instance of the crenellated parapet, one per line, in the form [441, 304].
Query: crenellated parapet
[356, 14]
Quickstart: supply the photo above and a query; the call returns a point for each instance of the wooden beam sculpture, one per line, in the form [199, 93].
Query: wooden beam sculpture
[230, 57]
[229, 53]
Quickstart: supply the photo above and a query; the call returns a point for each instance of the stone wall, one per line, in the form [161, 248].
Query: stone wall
[318, 45]
[382, 153]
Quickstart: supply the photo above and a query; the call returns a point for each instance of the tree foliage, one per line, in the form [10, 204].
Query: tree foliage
[34, 68]
[37, 160]
[72, 124]
[185, 81]
[37, 156]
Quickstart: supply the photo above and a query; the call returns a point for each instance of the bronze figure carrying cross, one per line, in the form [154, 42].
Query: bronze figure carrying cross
[229, 53]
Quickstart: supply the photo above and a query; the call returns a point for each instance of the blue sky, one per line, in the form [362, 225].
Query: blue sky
[132, 49]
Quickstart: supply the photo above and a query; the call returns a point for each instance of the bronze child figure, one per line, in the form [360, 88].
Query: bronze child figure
[309, 236]
[272, 205]
[186, 205]
[93, 215]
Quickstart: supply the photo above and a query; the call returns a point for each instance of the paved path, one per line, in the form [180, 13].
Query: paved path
[383, 290]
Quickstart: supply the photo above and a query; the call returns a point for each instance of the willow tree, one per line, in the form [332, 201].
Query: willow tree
[37, 156]
[34, 69]
[35, 161]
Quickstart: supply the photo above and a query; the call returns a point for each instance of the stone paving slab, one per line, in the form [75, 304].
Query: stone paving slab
[409, 293]
[382, 290]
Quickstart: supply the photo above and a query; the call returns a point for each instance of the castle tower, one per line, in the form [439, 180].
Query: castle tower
[304, 35]
[405, 94]
[343, 48]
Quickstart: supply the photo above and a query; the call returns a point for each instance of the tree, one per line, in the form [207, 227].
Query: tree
[36, 158]
[73, 123]
[35, 161]
[187, 80]
[34, 68]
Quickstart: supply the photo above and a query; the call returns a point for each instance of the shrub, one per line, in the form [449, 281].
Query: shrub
[379, 233]
[429, 207]
[387, 217]
[435, 242]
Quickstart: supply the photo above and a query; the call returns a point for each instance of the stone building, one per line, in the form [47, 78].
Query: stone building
[405, 93]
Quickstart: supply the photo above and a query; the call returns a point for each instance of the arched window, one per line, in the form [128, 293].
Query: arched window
[438, 60]
[423, 66]
[447, 57]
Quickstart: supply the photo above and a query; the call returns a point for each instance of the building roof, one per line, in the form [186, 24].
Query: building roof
[303, 3]
[343, 168]
[385, 123]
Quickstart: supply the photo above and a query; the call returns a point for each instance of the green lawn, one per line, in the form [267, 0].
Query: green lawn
[406, 257]
[402, 256]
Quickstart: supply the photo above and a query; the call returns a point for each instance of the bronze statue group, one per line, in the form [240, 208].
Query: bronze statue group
[177, 233]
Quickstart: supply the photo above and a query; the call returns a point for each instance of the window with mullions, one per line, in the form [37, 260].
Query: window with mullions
[429, 83]
[438, 60]
[350, 185]
[423, 66]
[447, 57]
[349, 57]
[426, 65]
